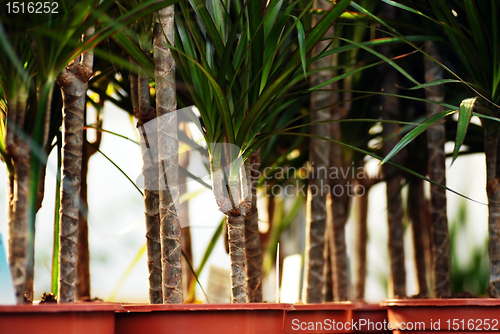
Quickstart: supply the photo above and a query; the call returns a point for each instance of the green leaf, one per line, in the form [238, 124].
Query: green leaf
[118, 167]
[209, 25]
[434, 83]
[464, 116]
[496, 119]
[415, 132]
[373, 155]
[271, 49]
[270, 17]
[219, 94]
[110, 132]
[302, 46]
[135, 52]
[131, 16]
[381, 56]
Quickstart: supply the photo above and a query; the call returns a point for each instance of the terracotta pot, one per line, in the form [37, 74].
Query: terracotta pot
[371, 318]
[319, 318]
[445, 315]
[79, 318]
[259, 318]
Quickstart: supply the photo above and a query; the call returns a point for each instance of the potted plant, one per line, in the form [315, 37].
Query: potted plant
[243, 65]
[466, 29]
[55, 318]
[35, 58]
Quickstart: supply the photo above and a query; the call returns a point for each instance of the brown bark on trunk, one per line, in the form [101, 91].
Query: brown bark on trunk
[393, 179]
[233, 199]
[18, 150]
[188, 277]
[314, 278]
[361, 242]
[339, 188]
[329, 297]
[168, 150]
[30, 274]
[416, 205]
[45, 145]
[10, 202]
[20, 228]
[73, 82]
[82, 280]
[253, 248]
[493, 192]
[436, 137]
[83, 255]
[340, 206]
[339, 267]
[152, 217]
[236, 233]
[139, 88]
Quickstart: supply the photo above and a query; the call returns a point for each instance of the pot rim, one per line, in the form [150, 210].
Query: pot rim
[441, 302]
[361, 306]
[236, 307]
[67, 307]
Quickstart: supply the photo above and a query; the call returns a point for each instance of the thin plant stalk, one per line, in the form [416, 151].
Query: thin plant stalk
[361, 241]
[17, 148]
[491, 148]
[168, 150]
[316, 211]
[253, 248]
[393, 178]
[74, 83]
[82, 281]
[188, 276]
[339, 200]
[139, 88]
[436, 137]
[416, 206]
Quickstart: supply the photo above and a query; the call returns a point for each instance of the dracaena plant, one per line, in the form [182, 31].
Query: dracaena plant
[38, 56]
[244, 63]
[468, 54]
[239, 59]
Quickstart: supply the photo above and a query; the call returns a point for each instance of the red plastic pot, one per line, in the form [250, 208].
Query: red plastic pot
[371, 318]
[319, 318]
[80, 318]
[444, 315]
[259, 318]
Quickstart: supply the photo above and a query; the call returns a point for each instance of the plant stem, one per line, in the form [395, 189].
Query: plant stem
[236, 233]
[314, 280]
[436, 137]
[361, 242]
[493, 192]
[417, 207]
[253, 248]
[168, 151]
[73, 82]
[139, 85]
[393, 178]
[18, 150]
